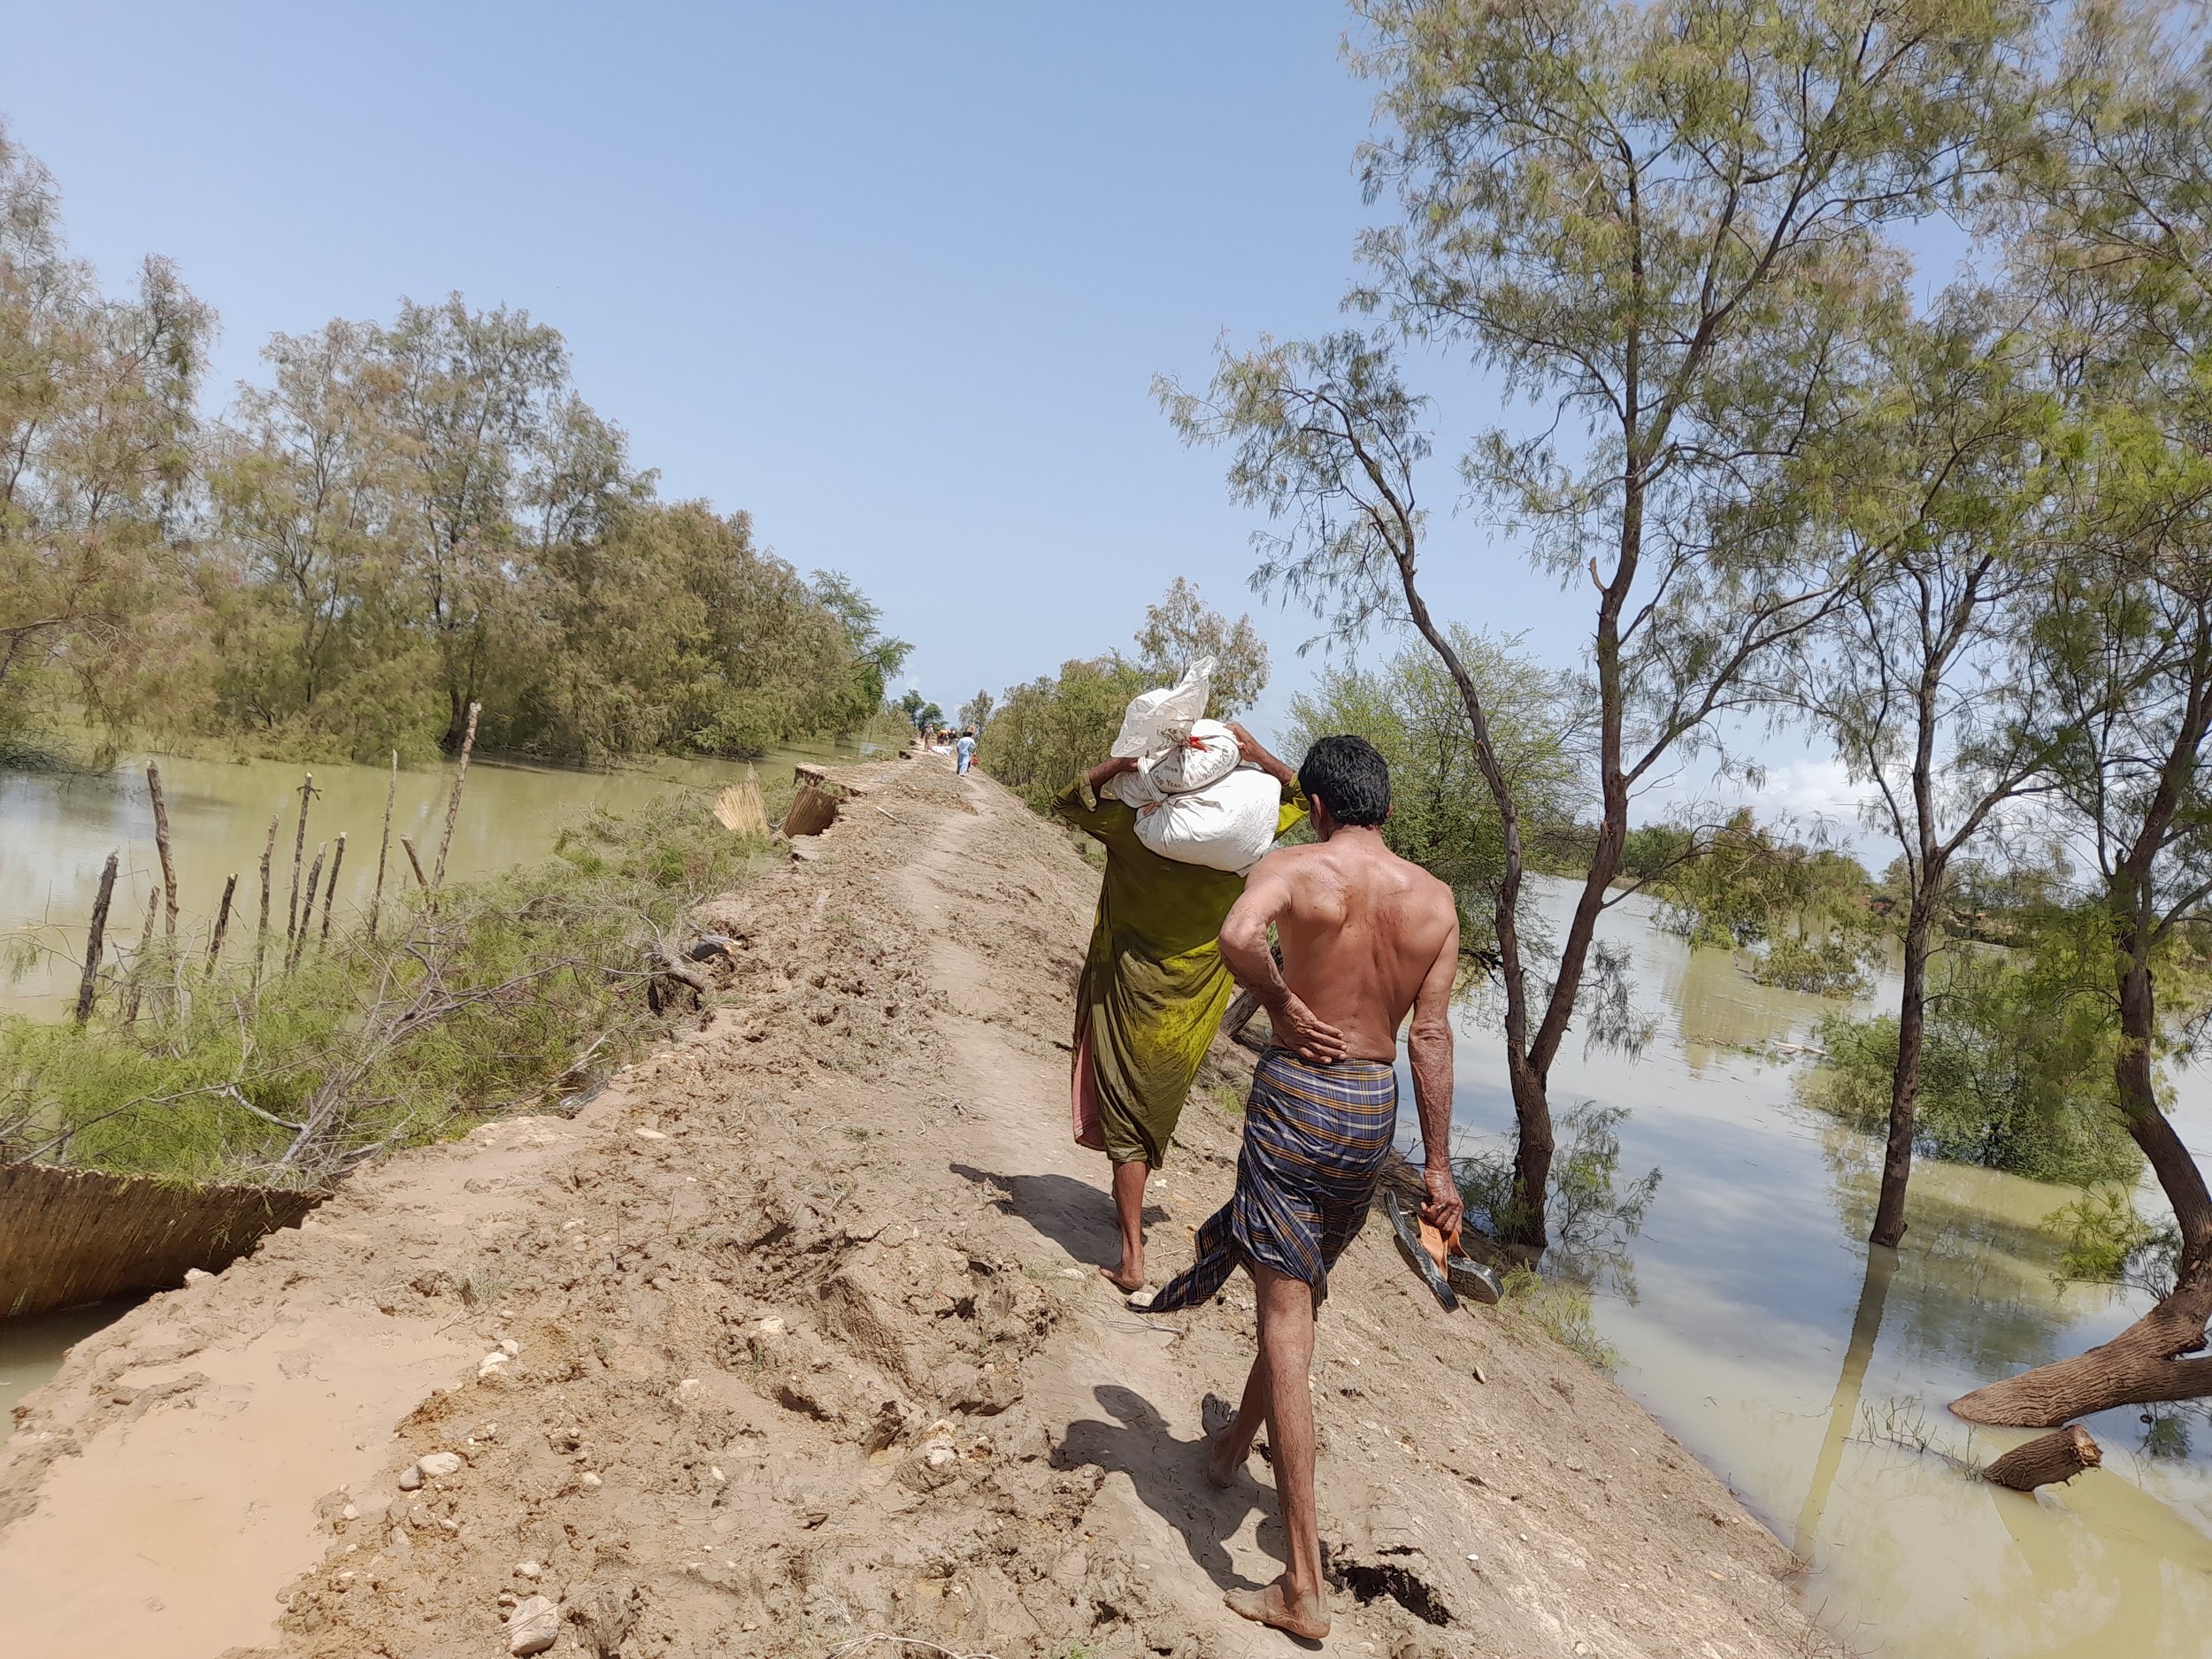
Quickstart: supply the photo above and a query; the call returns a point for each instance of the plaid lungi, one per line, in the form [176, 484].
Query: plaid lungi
[1314, 1141]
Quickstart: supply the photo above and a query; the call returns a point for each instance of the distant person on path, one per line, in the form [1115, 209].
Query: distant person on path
[1365, 937]
[964, 752]
[1152, 990]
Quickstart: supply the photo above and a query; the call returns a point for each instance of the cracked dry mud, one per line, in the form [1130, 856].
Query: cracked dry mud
[809, 1344]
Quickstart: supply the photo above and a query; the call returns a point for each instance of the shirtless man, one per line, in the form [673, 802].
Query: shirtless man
[1365, 937]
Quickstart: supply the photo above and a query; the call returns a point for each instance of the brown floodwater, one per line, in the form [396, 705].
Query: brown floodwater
[1756, 1324]
[57, 829]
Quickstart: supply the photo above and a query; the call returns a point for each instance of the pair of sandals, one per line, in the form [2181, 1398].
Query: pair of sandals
[1448, 1274]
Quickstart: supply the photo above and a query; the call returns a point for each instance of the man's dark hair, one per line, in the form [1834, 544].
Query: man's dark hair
[1351, 775]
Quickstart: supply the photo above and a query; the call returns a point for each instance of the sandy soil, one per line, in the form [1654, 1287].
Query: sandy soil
[808, 1345]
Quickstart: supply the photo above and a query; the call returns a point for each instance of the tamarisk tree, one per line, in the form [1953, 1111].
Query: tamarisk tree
[1922, 678]
[1662, 225]
[2121, 224]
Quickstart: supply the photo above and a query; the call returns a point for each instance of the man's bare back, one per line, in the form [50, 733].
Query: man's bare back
[1361, 930]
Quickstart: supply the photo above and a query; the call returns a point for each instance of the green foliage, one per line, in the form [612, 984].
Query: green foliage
[408, 517]
[2107, 1242]
[1744, 888]
[1048, 731]
[1565, 1309]
[2015, 1071]
[1182, 628]
[1443, 815]
[490, 1002]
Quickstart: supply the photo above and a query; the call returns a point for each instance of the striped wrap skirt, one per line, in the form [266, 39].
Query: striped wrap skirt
[1314, 1141]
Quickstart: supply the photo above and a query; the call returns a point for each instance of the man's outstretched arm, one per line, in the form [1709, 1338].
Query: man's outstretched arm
[1429, 1049]
[1244, 947]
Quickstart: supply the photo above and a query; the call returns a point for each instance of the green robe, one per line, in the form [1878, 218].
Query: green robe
[1154, 985]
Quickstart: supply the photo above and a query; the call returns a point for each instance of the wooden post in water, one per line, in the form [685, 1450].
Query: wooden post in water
[330, 892]
[161, 846]
[453, 802]
[307, 917]
[222, 922]
[138, 967]
[96, 941]
[383, 847]
[261, 939]
[299, 854]
[408, 841]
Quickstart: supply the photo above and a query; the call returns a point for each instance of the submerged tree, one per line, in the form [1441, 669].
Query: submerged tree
[1922, 678]
[1662, 225]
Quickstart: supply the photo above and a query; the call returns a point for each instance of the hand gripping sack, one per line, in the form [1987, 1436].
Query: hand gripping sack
[1229, 825]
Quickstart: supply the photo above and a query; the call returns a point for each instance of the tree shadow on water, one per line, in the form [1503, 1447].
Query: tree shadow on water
[1074, 1215]
[1170, 1476]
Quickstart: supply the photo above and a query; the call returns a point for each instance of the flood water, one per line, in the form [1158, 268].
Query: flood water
[1760, 1329]
[57, 829]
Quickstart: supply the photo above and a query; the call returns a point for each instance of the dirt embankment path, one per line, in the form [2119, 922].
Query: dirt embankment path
[801, 1340]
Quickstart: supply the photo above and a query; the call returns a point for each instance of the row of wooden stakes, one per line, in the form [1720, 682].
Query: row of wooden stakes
[161, 903]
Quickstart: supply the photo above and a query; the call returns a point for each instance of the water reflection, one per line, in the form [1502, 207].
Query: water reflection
[1764, 1332]
[1843, 1410]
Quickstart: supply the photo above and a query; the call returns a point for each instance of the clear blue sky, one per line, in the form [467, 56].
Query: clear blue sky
[893, 278]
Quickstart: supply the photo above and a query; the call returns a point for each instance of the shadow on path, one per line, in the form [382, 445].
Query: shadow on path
[1074, 1215]
[1169, 1477]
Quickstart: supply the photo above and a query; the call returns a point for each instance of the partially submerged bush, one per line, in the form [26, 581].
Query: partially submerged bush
[2015, 1071]
[491, 1001]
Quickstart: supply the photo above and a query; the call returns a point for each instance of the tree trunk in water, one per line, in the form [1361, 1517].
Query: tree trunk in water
[2047, 1458]
[330, 892]
[307, 916]
[1904, 1088]
[1532, 1156]
[453, 802]
[161, 846]
[2144, 1362]
[96, 941]
[261, 937]
[299, 859]
[138, 967]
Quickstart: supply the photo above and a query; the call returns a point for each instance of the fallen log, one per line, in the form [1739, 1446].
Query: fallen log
[2047, 1460]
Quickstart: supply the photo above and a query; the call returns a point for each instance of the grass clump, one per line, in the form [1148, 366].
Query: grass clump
[1564, 1307]
[498, 996]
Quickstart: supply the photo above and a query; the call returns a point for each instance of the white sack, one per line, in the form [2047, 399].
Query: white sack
[1159, 719]
[1229, 825]
[1209, 753]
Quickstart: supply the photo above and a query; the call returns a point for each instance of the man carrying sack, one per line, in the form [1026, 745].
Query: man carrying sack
[1153, 987]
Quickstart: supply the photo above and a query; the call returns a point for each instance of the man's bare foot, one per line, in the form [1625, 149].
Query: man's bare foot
[1307, 1617]
[1122, 1279]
